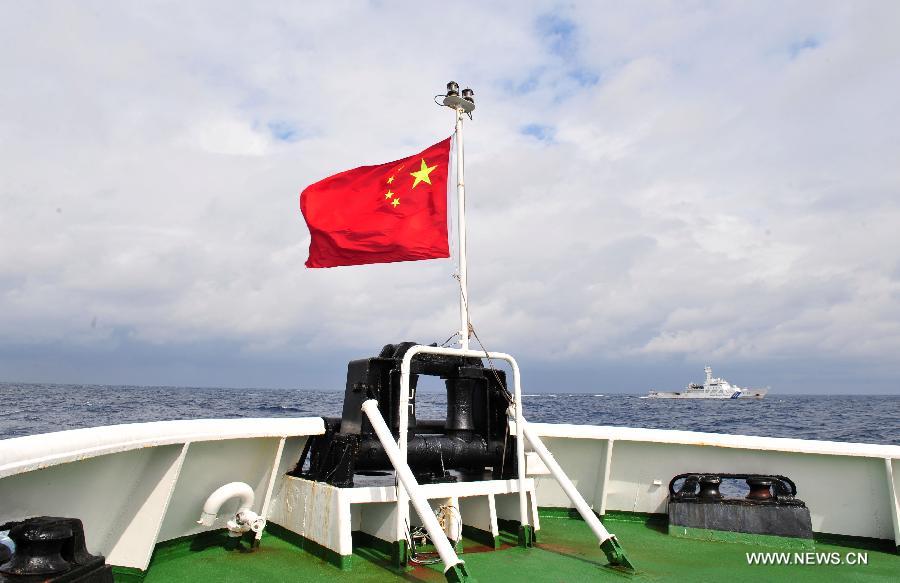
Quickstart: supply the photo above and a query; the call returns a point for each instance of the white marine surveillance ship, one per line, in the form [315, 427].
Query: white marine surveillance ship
[712, 388]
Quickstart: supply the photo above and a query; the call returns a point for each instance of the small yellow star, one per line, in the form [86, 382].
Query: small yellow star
[395, 202]
[421, 175]
[391, 179]
[388, 194]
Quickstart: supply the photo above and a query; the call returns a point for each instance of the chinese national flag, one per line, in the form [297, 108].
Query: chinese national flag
[380, 214]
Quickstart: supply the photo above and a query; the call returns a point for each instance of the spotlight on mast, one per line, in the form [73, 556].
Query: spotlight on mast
[453, 100]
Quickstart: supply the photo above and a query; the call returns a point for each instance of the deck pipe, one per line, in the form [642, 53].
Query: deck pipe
[222, 495]
[454, 568]
[608, 542]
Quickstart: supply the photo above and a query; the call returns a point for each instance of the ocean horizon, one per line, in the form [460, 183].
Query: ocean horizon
[33, 408]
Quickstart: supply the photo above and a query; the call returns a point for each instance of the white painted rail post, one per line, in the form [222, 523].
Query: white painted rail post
[608, 542]
[454, 568]
[526, 532]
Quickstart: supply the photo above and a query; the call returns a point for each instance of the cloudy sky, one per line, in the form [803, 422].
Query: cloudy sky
[652, 187]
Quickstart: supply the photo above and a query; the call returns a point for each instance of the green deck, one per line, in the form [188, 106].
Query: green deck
[565, 552]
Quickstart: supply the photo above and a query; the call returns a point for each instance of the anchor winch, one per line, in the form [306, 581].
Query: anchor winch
[473, 442]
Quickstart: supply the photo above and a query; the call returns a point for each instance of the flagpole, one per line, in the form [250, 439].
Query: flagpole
[461, 222]
[463, 104]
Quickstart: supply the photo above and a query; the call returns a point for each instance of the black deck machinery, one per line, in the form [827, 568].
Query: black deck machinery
[472, 443]
[50, 549]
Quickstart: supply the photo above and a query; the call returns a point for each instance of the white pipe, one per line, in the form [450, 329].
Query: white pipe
[221, 496]
[405, 369]
[461, 226]
[568, 487]
[273, 477]
[435, 532]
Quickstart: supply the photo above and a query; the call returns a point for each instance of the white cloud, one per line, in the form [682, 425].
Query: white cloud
[715, 181]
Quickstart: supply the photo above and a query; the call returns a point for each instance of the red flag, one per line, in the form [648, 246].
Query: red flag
[380, 214]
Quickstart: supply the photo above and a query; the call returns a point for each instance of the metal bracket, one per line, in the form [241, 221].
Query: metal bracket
[457, 102]
[526, 535]
[615, 555]
[457, 574]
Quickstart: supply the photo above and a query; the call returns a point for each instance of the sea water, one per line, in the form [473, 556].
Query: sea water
[27, 409]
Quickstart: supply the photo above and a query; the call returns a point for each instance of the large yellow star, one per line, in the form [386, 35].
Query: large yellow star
[421, 175]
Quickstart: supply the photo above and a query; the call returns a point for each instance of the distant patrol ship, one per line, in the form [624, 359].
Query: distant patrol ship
[713, 388]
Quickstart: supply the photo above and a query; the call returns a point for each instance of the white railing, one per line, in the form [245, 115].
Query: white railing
[137, 484]
[851, 489]
[406, 366]
[607, 541]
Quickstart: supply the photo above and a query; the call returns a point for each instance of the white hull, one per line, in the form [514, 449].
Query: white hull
[137, 485]
[742, 395]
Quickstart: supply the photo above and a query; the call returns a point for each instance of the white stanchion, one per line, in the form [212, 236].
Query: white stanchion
[568, 487]
[405, 475]
[405, 370]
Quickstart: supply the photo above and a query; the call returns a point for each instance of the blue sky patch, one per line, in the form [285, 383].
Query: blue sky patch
[584, 77]
[284, 131]
[523, 85]
[805, 44]
[544, 133]
[559, 34]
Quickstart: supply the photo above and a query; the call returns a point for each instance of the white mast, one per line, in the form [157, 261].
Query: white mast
[461, 210]
[461, 105]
